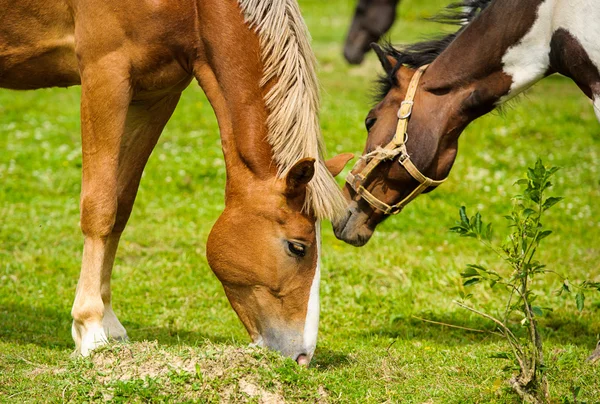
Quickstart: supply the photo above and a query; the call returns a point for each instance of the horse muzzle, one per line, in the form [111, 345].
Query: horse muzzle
[353, 228]
[288, 343]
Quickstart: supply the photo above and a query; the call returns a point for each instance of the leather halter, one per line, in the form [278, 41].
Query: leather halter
[397, 147]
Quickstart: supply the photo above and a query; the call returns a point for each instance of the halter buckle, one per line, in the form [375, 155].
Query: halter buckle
[403, 157]
[406, 114]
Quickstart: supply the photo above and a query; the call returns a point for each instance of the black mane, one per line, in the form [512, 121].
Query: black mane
[425, 52]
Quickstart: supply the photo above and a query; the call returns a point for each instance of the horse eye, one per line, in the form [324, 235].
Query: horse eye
[297, 249]
[369, 122]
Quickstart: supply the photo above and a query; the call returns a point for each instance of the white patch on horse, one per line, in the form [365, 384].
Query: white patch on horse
[597, 106]
[580, 18]
[112, 326]
[528, 60]
[92, 337]
[311, 324]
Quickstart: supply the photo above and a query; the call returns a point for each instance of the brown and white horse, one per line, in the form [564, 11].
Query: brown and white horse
[503, 47]
[133, 59]
[371, 20]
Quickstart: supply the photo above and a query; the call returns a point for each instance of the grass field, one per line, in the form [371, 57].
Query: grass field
[373, 347]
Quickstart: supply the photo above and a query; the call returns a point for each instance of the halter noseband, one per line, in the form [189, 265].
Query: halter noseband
[394, 148]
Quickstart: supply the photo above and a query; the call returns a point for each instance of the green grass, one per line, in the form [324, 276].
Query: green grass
[372, 347]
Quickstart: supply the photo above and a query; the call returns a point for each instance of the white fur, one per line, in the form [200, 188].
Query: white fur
[112, 325]
[597, 106]
[91, 336]
[311, 324]
[582, 19]
[528, 60]
[88, 338]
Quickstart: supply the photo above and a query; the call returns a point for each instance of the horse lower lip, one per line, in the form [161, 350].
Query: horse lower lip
[302, 360]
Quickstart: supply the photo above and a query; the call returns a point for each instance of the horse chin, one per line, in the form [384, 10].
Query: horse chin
[354, 228]
[286, 343]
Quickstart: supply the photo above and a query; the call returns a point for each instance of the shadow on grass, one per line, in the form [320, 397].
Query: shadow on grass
[51, 328]
[326, 359]
[555, 329]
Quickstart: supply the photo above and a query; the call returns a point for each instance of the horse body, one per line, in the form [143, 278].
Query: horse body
[500, 51]
[133, 59]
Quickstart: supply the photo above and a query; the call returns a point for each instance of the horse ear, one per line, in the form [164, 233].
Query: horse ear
[388, 62]
[299, 175]
[336, 164]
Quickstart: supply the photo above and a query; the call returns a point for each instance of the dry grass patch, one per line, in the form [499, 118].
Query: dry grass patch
[146, 370]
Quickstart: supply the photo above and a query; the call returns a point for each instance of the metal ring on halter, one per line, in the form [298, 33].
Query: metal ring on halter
[407, 114]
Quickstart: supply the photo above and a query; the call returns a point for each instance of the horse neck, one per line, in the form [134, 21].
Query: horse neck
[499, 54]
[229, 69]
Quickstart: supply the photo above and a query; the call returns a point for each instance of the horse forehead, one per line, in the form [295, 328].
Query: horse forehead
[280, 210]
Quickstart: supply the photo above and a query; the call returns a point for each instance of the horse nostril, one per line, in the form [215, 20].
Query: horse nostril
[302, 360]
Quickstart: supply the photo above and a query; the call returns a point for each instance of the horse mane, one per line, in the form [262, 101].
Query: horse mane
[293, 101]
[425, 52]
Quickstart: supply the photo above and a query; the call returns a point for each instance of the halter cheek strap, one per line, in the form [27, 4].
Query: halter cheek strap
[397, 147]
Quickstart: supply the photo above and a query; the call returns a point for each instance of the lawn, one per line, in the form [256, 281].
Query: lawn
[373, 346]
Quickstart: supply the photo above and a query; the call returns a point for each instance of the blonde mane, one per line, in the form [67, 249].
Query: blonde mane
[293, 102]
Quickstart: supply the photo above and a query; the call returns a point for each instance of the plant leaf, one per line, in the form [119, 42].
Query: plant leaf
[580, 300]
[551, 201]
[543, 235]
[471, 281]
[463, 215]
[469, 272]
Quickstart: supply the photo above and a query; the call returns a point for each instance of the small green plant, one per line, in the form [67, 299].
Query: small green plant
[519, 252]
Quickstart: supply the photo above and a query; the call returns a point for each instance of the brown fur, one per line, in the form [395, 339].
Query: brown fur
[133, 59]
[463, 83]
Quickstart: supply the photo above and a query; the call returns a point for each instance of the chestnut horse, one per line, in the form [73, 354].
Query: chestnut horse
[133, 59]
[502, 48]
[371, 20]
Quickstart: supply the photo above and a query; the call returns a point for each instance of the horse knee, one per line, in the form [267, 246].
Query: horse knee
[98, 214]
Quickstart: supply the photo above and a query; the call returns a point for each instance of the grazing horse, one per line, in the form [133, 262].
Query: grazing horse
[432, 90]
[372, 19]
[133, 59]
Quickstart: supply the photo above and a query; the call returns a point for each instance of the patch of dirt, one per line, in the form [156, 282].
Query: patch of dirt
[228, 373]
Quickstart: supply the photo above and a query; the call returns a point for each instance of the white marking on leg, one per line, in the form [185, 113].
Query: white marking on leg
[311, 324]
[528, 60]
[112, 326]
[597, 106]
[92, 337]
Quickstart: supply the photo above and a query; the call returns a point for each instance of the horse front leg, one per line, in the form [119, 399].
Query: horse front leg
[143, 125]
[105, 98]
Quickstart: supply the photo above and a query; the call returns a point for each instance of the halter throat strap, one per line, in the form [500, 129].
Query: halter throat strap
[397, 147]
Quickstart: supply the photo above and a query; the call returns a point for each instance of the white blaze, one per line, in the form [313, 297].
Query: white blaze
[311, 324]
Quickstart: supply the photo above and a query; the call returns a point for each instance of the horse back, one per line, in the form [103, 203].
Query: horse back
[45, 43]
